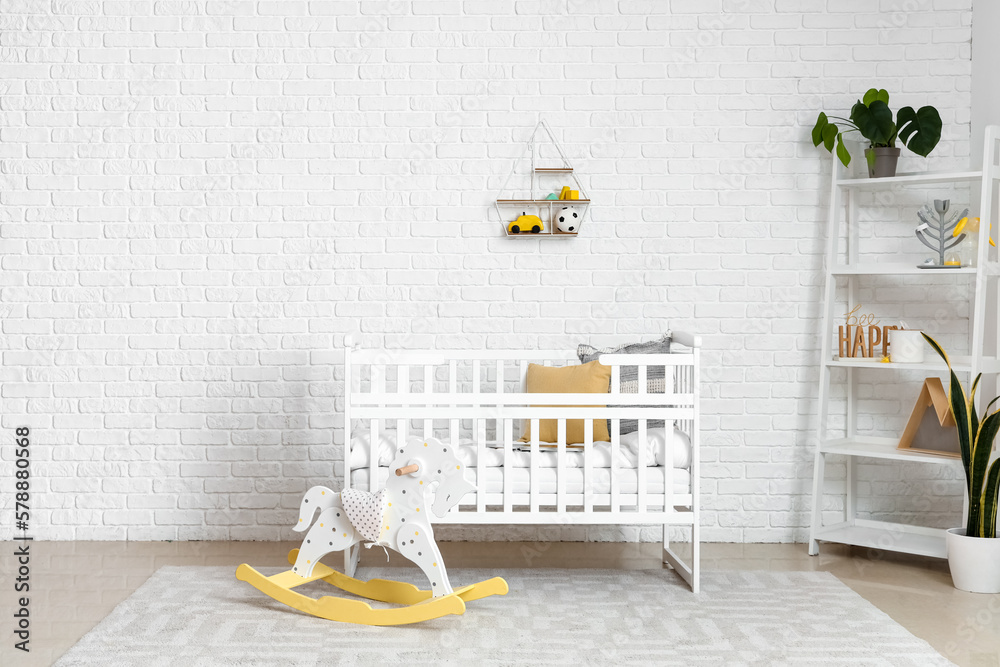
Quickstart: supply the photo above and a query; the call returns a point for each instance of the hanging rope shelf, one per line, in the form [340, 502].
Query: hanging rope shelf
[540, 211]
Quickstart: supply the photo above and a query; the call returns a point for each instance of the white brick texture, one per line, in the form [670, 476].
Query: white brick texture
[198, 199]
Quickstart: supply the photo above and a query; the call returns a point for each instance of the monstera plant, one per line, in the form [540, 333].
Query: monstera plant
[871, 117]
[975, 561]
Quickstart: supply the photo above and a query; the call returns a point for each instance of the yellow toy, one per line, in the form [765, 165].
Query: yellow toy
[398, 517]
[526, 223]
[973, 225]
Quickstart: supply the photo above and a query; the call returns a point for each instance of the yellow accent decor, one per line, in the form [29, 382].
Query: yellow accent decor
[421, 605]
[525, 223]
[973, 228]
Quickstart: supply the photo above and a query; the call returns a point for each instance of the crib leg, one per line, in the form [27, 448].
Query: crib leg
[689, 573]
[695, 558]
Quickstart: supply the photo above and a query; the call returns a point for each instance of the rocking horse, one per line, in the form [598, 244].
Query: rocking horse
[396, 517]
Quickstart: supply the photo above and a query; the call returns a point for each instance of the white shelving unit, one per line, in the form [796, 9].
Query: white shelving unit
[848, 264]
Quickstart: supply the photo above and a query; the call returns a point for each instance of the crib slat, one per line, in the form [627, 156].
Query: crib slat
[615, 444]
[428, 389]
[479, 428]
[349, 392]
[561, 467]
[588, 466]
[640, 465]
[535, 453]
[479, 425]
[522, 369]
[378, 386]
[508, 461]
[453, 388]
[402, 387]
[668, 453]
[641, 447]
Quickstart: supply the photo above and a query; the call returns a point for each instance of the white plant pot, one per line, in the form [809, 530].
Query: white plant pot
[974, 561]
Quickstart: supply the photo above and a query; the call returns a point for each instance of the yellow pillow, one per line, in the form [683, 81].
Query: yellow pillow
[590, 378]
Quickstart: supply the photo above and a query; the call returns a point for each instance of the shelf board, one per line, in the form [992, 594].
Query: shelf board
[958, 362]
[553, 170]
[509, 202]
[880, 448]
[897, 269]
[900, 537]
[911, 179]
[542, 234]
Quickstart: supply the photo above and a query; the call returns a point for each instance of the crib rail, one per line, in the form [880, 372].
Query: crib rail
[479, 395]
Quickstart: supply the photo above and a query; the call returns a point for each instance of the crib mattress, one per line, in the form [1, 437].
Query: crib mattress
[659, 441]
[521, 480]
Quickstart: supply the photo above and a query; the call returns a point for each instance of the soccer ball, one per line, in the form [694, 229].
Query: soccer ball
[568, 219]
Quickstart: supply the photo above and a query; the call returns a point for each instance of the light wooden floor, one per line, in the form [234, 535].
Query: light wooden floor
[76, 584]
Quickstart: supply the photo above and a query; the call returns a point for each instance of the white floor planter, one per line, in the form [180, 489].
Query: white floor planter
[974, 562]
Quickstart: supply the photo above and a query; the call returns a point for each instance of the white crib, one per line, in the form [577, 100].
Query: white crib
[476, 401]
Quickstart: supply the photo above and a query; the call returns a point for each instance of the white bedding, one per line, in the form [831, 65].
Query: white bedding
[655, 452]
[520, 479]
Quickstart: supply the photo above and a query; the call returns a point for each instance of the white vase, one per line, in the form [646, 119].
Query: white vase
[906, 346]
[974, 561]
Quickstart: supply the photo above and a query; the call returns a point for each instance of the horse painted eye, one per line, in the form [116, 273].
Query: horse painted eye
[439, 472]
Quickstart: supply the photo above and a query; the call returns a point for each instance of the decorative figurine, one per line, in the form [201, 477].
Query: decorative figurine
[937, 234]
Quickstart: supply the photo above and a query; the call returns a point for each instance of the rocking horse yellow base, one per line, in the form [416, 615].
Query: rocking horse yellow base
[420, 605]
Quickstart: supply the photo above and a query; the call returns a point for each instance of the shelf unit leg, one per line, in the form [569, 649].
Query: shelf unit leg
[850, 504]
[819, 472]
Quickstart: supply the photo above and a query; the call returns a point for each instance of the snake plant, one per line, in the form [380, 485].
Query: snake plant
[975, 439]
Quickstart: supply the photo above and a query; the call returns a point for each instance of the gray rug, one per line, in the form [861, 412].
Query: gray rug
[200, 616]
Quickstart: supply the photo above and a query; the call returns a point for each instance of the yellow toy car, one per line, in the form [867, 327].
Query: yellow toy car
[526, 223]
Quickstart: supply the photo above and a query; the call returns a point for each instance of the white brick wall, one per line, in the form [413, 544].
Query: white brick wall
[198, 199]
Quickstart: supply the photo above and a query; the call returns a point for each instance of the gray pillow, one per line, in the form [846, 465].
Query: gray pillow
[628, 376]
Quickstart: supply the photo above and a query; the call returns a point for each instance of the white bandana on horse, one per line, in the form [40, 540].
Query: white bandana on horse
[365, 511]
